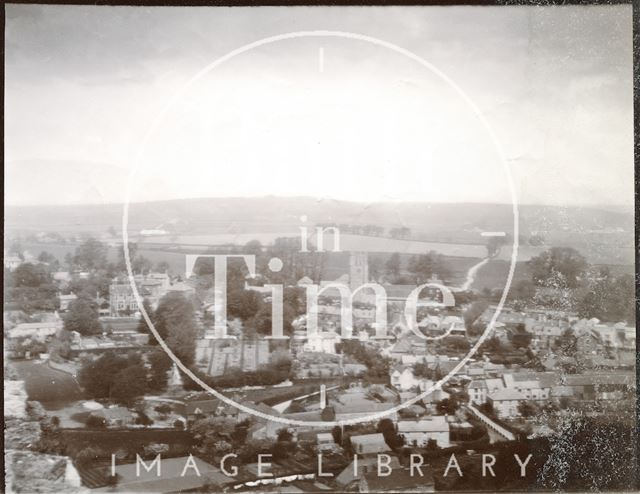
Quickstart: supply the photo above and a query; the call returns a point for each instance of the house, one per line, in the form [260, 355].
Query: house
[203, 408]
[37, 330]
[478, 391]
[601, 385]
[505, 402]
[121, 298]
[65, 301]
[304, 281]
[364, 465]
[152, 287]
[184, 474]
[115, 416]
[419, 432]
[369, 444]
[61, 278]
[181, 287]
[12, 262]
[363, 408]
[325, 441]
[402, 377]
[322, 342]
[533, 385]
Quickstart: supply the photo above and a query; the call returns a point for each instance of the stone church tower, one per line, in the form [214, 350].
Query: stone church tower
[358, 269]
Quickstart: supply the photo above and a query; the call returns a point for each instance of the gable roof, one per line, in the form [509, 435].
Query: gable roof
[437, 423]
[370, 443]
[506, 394]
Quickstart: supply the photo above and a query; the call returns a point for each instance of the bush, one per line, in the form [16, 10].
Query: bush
[164, 408]
[143, 419]
[95, 422]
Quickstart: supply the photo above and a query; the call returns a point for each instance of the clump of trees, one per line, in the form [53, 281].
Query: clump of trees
[175, 322]
[30, 288]
[589, 290]
[388, 429]
[377, 366]
[83, 317]
[118, 377]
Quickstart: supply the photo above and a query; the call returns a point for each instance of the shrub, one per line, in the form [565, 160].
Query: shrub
[95, 422]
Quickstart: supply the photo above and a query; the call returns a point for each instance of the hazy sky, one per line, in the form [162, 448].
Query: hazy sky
[319, 116]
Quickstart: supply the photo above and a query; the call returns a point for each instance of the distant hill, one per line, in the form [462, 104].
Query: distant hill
[266, 214]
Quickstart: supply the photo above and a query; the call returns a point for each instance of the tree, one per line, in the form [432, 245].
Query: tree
[566, 261]
[253, 247]
[447, 406]
[49, 259]
[424, 267]
[95, 422]
[609, 299]
[388, 430]
[244, 304]
[393, 266]
[129, 383]
[82, 317]
[143, 419]
[175, 322]
[90, 255]
[159, 363]
[109, 374]
[30, 287]
[162, 267]
[284, 435]
[336, 432]
[519, 337]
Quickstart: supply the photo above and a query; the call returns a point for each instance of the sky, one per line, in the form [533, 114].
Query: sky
[320, 116]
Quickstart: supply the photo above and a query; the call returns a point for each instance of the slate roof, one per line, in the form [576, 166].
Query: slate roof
[506, 394]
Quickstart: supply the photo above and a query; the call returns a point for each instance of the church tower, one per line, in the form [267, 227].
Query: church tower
[358, 269]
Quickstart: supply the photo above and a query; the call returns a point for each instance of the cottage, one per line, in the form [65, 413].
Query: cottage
[37, 330]
[419, 432]
[369, 444]
[325, 441]
[402, 377]
[505, 402]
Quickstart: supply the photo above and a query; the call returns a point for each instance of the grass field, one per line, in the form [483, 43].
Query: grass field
[53, 388]
[494, 274]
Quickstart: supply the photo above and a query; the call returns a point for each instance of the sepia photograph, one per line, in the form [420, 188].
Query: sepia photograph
[319, 249]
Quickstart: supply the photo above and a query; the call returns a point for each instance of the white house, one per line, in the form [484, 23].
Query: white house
[38, 330]
[322, 341]
[419, 432]
[505, 402]
[12, 262]
[402, 378]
